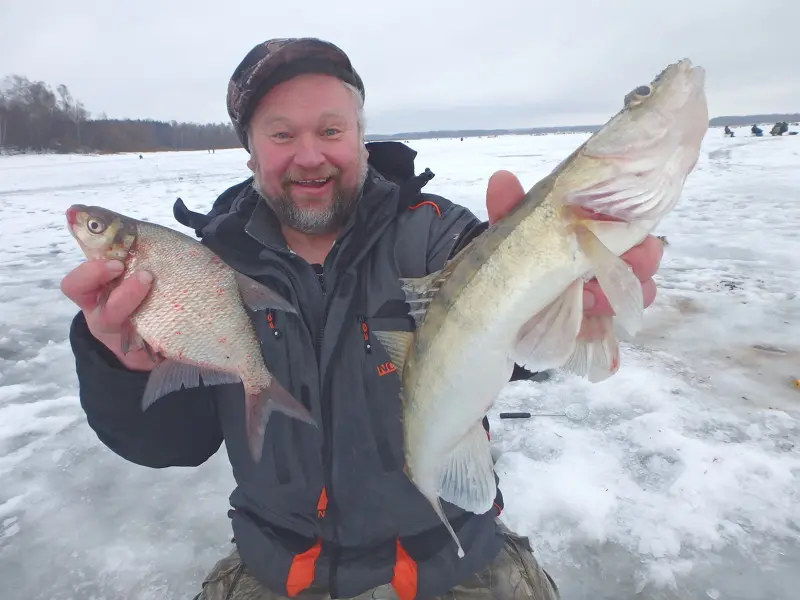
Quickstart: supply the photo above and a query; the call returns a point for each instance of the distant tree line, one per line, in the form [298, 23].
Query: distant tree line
[36, 118]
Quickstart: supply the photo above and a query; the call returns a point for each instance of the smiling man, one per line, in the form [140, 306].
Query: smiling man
[328, 512]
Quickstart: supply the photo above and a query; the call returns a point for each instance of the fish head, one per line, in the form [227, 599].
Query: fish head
[635, 166]
[674, 102]
[101, 233]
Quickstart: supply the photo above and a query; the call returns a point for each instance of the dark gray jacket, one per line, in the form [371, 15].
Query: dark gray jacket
[332, 503]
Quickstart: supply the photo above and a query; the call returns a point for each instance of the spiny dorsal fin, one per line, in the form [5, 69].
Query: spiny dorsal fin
[397, 344]
[420, 291]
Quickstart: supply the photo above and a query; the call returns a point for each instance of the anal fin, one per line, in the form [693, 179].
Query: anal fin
[467, 479]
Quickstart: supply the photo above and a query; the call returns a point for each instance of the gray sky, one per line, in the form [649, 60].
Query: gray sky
[426, 64]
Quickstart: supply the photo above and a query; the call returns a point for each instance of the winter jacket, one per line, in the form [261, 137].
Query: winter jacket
[328, 504]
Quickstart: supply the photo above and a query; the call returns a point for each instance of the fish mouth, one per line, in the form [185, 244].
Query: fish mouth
[73, 211]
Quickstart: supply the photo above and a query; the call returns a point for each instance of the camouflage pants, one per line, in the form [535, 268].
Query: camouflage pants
[514, 575]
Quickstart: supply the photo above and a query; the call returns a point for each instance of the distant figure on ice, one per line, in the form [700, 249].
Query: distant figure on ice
[779, 128]
[756, 131]
[728, 131]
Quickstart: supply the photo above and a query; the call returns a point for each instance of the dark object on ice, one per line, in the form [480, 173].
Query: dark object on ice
[756, 131]
[522, 374]
[728, 131]
[515, 415]
[393, 160]
[779, 128]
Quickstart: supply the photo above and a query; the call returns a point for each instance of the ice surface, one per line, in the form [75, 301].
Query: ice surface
[682, 482]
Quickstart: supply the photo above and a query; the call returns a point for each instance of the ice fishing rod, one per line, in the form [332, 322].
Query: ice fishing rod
[574, 412]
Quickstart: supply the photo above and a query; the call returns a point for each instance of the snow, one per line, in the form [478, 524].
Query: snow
[682, 480]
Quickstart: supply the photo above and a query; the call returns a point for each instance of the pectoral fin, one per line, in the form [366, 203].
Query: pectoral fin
[616, 279]
[260, 297]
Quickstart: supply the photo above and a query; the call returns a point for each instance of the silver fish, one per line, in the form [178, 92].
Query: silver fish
[194, 316]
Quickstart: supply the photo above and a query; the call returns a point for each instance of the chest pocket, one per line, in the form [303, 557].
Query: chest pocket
[382, 307]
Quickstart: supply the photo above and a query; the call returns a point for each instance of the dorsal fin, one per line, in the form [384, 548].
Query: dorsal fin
[420, 291]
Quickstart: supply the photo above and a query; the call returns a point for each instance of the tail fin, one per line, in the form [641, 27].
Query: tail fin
[261, 406]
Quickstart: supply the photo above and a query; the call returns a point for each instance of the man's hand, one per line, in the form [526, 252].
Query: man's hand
[84, 285]
[505, 191]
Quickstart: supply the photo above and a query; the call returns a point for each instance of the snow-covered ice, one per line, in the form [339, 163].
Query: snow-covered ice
[682, 482]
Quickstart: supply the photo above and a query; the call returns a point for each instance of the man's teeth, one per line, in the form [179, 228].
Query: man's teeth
[309, 181]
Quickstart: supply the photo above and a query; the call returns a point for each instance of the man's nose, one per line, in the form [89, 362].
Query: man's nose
[309, 152]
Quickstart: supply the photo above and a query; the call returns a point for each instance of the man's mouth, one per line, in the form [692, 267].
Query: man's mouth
[314, 183]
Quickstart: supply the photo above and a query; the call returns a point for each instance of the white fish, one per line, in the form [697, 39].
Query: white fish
[194, 316]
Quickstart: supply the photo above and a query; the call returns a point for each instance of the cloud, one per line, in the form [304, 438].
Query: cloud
[501, 63]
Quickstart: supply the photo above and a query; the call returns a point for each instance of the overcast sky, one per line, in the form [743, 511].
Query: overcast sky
[426, 65]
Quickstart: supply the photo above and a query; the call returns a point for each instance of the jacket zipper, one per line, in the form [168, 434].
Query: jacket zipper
[331, 512]
[321, 282]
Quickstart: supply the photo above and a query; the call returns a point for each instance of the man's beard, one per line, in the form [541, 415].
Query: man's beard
[314, 221]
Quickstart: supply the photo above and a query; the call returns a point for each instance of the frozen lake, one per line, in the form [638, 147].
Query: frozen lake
[682, 482]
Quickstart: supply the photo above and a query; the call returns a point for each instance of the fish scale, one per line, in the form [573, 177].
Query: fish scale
[186, 322]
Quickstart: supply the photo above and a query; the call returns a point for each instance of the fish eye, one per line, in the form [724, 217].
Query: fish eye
[636, 96]
[95, 225]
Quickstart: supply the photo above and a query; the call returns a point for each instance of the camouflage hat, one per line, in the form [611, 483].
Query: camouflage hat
[273, 62]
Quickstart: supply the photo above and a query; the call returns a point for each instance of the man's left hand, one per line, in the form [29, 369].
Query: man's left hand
[505, 191]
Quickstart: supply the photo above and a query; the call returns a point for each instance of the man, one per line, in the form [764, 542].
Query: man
[328, 511]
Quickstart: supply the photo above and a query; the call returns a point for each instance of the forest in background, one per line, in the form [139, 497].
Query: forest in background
[36, 118]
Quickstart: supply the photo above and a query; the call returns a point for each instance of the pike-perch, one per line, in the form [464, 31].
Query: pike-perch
[514, 294]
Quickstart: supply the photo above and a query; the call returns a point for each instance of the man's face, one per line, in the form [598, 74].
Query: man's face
[307, 154]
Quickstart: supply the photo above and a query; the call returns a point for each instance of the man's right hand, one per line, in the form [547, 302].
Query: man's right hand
[84, 285]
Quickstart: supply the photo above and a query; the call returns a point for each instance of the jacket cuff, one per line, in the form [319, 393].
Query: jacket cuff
[91, 353]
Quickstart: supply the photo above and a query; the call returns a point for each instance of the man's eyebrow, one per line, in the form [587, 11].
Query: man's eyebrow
[270, 120]
[328, 114]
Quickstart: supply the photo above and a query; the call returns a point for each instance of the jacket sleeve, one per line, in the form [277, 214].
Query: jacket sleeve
[447, 230]
[180, 429]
